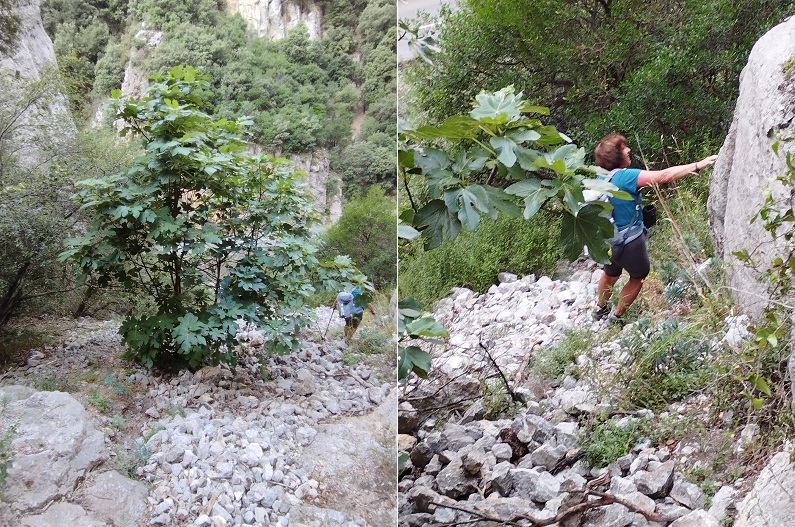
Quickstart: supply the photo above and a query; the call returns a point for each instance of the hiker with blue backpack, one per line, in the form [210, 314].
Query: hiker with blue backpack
[629, 251]
[351, 310]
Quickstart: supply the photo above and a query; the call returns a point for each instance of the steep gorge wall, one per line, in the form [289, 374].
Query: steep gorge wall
[746, 164]
[33, 53]
[46, 122]
[274, 18]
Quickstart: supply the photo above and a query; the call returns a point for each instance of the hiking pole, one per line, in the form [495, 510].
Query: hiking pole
[323, 337]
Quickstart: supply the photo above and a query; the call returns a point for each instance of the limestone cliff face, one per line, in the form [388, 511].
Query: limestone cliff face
[135, 81]
[325, 188]
[45, 122]
[746, 163]
[34, 52]
[274, 18]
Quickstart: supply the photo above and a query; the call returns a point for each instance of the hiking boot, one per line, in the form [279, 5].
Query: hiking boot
[599, 313]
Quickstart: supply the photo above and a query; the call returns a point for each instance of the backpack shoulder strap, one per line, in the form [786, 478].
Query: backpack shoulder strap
[609, 176]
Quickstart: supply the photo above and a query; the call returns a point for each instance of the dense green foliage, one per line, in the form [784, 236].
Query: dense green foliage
[39, 160]
[366, 233]
[668, 361]
[212, 235]
[498, 160]
[667, 71]
[607, 441]
[474, 259]
[301, 93]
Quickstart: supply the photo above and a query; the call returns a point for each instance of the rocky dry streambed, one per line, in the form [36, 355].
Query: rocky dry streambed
[528, 468]
[297, 440]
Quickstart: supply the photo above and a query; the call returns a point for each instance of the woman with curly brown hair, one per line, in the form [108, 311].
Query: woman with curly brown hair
[612, 154]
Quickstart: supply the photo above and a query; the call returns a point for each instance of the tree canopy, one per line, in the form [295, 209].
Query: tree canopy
[211, 234]
[666, 71]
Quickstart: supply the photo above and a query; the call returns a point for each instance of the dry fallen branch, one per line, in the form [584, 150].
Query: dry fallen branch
[604, 499]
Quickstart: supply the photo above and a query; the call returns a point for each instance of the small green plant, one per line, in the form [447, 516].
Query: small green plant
[127, 463]
[788, 68]
[667, 363]
[497, 401]
[607, 441]
[50, 384]
[735, 473]
[702, 476]
[99, 399]
[559, 360]
[175, 410]
[156, 427]
[264, 374]
[115, 385]
[351, 359]
[118, 422]
[697, 474]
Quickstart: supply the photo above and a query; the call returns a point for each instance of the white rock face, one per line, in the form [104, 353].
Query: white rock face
[136, 82]
[47, 122]
[771, 501]
[274, 18]
[34, 52]
[326, 194]
[746, 163]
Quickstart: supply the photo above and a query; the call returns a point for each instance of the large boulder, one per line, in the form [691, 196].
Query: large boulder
[770, 502]
[746, 162]
[52, 479]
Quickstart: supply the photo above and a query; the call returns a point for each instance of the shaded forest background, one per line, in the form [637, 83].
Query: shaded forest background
[332, 96]
[302, 94]
[666, 75]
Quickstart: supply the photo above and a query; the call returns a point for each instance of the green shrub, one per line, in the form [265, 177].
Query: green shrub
[109, 71]
[99, 400]
[559, 359]
[128, 462]
[474, 259]
[667, 363]
[210, 233]
[497, 402]
[607, 441]
[166, 14]
[366, 233]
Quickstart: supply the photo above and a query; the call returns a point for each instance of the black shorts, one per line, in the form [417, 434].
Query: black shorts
[353, 320]
[634, 257]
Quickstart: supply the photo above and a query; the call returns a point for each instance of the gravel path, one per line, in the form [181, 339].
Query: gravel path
[298, 440]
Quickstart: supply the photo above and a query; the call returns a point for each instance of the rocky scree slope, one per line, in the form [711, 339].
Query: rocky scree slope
[528, 469]
[212, 448]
